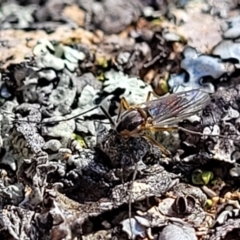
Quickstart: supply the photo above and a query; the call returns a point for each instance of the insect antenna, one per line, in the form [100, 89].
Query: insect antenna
[70, 118]
[112, 122]
[58, 121]
[108, 116]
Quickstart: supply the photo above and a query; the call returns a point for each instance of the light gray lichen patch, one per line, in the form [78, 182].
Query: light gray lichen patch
[56, 56]
[232, 28]
[197, 66]
[176, 232]
[227, 50]
[134, 90]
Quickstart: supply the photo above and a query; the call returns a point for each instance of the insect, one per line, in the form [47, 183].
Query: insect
[159, 114]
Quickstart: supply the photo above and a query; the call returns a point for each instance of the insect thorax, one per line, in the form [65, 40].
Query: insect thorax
[130, 121]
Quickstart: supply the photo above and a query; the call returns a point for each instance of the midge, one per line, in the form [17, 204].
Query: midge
[160, 114]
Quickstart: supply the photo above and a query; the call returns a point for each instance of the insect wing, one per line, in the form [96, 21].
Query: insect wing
[176, 107]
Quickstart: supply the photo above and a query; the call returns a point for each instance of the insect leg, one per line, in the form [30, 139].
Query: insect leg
[123, 104]
[203, 134]
[154, 129]
[151, 93]
[162, 148]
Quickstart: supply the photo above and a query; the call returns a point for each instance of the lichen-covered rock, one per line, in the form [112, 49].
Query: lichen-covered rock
[197, 67]
[177, 232]
[65, 172]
